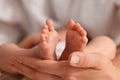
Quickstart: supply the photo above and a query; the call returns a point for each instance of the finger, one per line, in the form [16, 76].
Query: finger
[48, 66]
[30, 41]
[36, 63]
[84, 60]
[24, 70]
[33, 74]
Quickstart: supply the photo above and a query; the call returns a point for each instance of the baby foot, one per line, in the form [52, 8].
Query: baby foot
[76, 39]
[48, 41]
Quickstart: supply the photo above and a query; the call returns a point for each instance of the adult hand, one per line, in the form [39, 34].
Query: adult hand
[8, 52]
[92, 66]
[33, 74]
[8, 63]
[30, 41]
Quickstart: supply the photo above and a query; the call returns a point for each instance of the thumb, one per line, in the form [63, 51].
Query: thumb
[92, 60]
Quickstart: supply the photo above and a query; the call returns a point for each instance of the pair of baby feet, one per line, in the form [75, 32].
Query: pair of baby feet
[76, 40]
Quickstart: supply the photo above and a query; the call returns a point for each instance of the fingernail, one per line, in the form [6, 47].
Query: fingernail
[75, 59]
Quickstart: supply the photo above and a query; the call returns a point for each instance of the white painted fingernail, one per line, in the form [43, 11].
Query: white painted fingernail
[75, 59]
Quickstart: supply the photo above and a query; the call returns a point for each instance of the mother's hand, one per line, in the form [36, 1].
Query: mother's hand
[31, 73]
[84, 67]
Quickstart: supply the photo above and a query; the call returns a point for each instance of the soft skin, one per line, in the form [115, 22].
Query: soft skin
[87, 59]
[91, 66]
[89, 49]
[97, 65]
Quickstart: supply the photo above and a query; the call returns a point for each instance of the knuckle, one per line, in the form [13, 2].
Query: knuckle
[69, 77]
[38, 67]
[12, 60]
[33, 76]
[33, 72]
